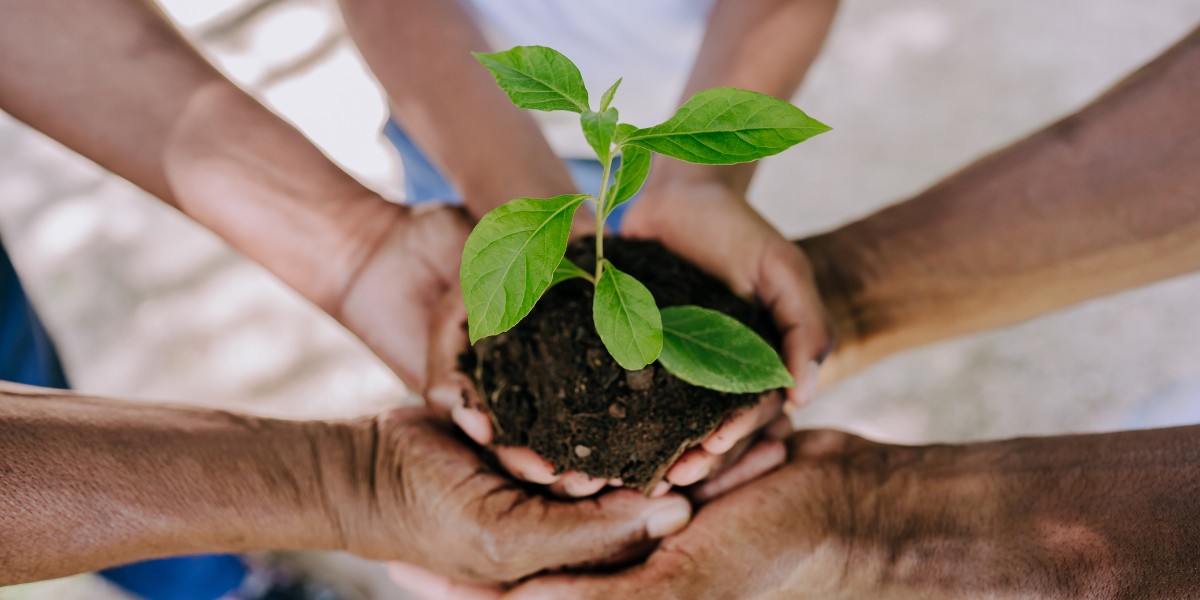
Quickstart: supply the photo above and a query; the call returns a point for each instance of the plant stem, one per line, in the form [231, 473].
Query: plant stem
[601, 207]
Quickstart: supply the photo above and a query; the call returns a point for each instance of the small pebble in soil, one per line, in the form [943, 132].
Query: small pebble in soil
[640, 380]
[616, 410]
[583, 451]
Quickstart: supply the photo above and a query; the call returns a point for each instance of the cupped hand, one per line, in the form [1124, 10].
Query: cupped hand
[808, 530]
[710, 224]
[718, 231]
[390, 299]
[429, 500]
[453, 393]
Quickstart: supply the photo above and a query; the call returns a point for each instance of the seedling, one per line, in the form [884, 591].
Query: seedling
[516, 252]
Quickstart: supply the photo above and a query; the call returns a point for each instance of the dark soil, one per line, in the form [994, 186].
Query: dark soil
[551, 385]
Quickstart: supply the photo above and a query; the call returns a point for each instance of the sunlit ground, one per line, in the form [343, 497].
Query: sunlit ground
[145, 304]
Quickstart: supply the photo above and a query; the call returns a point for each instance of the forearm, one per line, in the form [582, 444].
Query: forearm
[114, 81]
[1105, 200]
[765, 46]
[87, 483]
[1091, 516]
[447, 102]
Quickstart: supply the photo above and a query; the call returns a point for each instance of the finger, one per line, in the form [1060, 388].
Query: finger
[787, 290]
[447, 339]
[762, 458]
[694, 465]
[743, 424]
[430, 586]
[660, 489]
[525, 464]
[574, 484]
[474, 422]
[579, 587]
[806, 387]
[554, 533]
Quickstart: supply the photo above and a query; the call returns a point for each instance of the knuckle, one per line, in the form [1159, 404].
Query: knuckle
[497, 555]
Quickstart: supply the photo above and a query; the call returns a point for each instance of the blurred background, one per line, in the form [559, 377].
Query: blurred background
[145, 304]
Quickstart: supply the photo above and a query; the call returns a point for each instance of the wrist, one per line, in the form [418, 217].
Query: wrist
[669, 170]
[1006, 519]
[844, 294]
[252, 179]
[363, 485]
[488, 186]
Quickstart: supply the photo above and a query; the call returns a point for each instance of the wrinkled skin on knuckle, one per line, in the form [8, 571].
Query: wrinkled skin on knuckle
[506, 539]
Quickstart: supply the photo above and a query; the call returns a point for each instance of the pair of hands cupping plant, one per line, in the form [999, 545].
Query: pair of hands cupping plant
[516, 253]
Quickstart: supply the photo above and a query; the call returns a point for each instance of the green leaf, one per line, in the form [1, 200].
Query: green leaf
[727, 125]
[537, 78]
[623, 131]
[598, 128]
[568, 270]
[510, 258]
[606, 99]
[627, 319]
[635, 165]
[713, 350]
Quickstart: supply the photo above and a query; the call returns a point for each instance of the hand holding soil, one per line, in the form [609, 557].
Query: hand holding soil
[658, 366]
[432, 502]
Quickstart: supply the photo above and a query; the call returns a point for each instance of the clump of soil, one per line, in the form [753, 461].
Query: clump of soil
[551, 385]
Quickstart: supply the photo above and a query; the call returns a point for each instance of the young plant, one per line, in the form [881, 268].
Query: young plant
[516, 252]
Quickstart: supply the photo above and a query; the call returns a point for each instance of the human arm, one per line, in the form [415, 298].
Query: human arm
[420, 50]
[87, 483]
[765, 46]
[1105, 200]
[701, 213]
[1091, 517]
[114, 81]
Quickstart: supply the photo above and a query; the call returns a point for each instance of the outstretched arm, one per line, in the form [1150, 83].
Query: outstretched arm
[114, 81]
[421, 52]
[765, 46]
[1100, 516]
[700, 211]
[1105, 200]
[87, 483]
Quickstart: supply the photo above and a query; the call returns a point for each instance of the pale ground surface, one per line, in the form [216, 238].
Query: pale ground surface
[145, 304]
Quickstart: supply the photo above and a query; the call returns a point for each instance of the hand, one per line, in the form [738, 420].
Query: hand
[1098, 516]
[725, 236]
[792, 534]
[419, 495]
[711, 225]
[390, 299]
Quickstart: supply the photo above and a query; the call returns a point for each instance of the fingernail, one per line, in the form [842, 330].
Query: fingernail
[669, 517]
[474, 423]
[660, 489]
[581, 485]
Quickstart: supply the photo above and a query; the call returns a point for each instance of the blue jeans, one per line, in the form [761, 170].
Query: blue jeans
[27, 356]
[424, 183]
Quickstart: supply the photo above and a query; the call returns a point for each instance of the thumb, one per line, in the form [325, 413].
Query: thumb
[788, 291]
[610, 528]
[579, 587]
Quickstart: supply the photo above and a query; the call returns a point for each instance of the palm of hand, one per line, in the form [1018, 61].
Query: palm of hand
[390, 302]
[795, 533]
[718, 231]
[432, 502]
